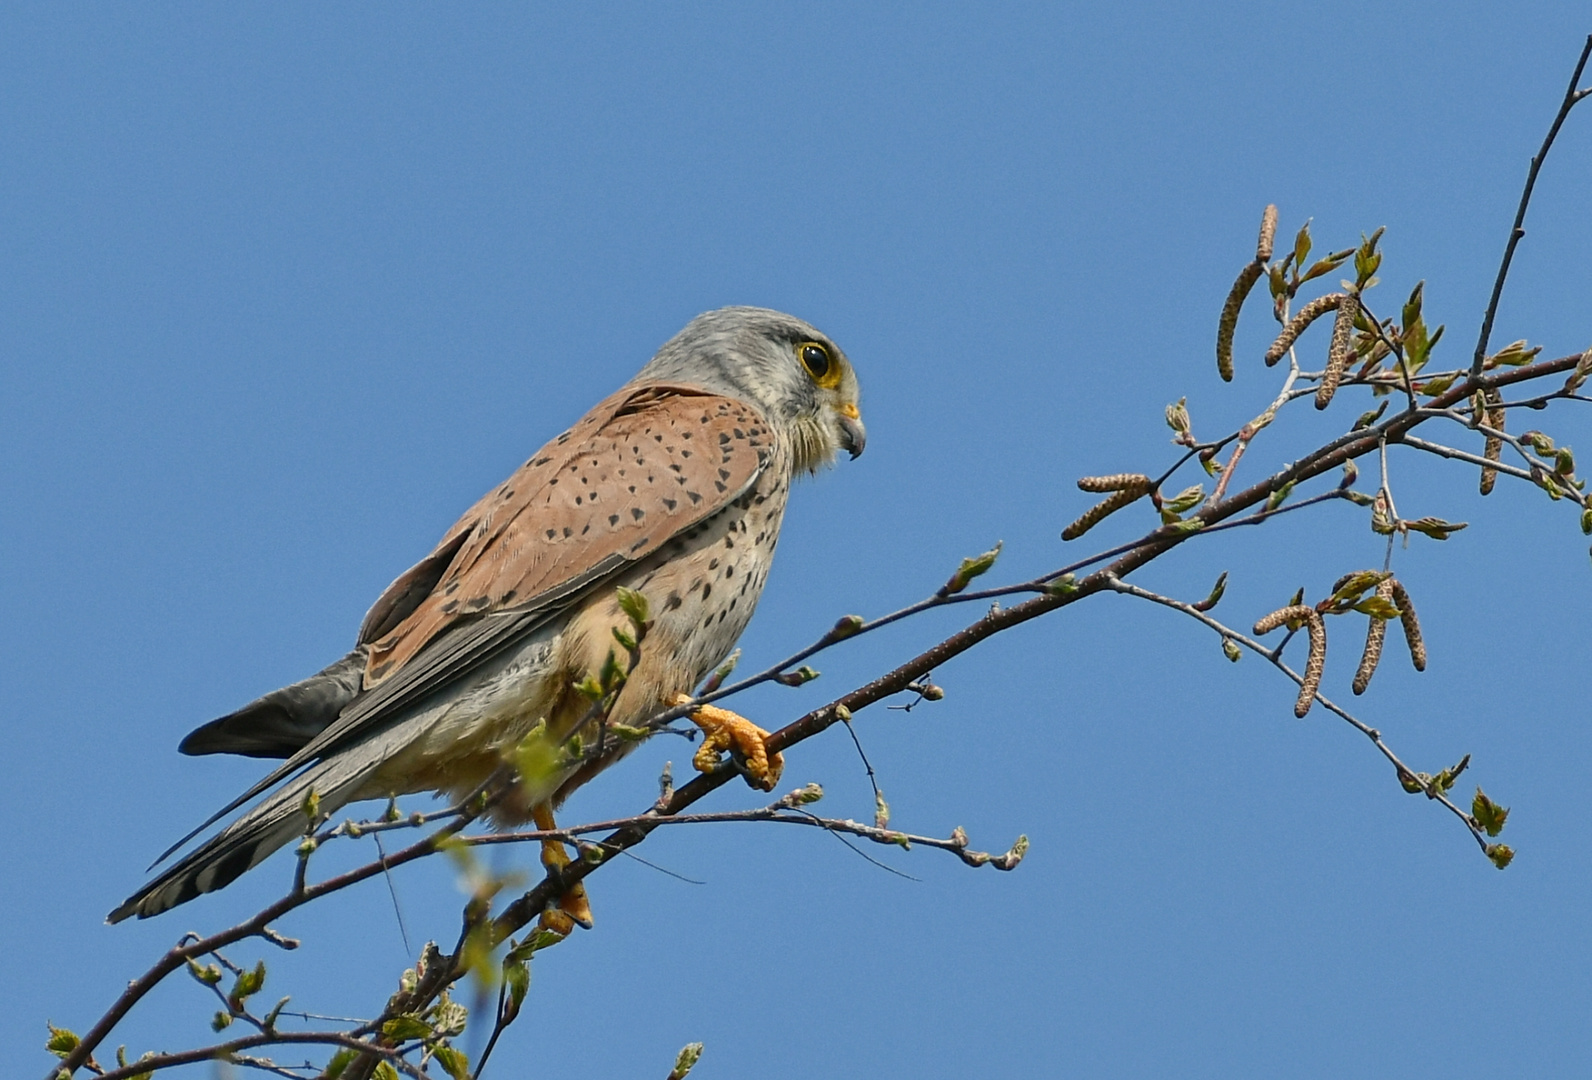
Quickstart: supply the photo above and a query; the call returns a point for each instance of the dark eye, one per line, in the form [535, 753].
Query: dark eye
[816, 359]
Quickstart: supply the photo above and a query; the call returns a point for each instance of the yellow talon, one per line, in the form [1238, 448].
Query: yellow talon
[573, 907]
[724, 730]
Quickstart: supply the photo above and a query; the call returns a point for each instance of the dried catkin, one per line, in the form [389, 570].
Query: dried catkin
[1493, 451]
[1315, 663]
[1411, 624]
[1373, 643]
[1339, 352]
[1268, 233]
[1299, 323]
[1229, 322]
[1114, 482]
[1101, 510]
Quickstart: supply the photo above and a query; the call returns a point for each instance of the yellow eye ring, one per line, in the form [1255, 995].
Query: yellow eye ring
[821, 364]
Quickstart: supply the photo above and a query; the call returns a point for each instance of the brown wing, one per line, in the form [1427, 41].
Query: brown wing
[644, 465]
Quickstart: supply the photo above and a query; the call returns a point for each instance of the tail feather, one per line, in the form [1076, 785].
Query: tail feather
[246, 842]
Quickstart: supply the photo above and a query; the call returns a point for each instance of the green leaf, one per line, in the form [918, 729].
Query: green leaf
[248, 984]
[633, 604]
[339, 1061]
[1231, 650]
[1377, 608]
[403, 1028]
[1277, 498]
[385, 1071]
[1488, 814]
[1192, 525]
[310, 805]
[1369, 418]
[626, 642]
[453, 1062]
[1433, 387]
[1412, 306]
[1187, 499]
[1513, 354]
[686, 1060]
[970, 569]
[1500, 854]
[846, 626]
[1326, 265]
[1065, 585]
[1177, 417]
[1436, 528]
[276, 1011]
[220, 1021]
[1302, 244]
[62, 1041]
[1215, 596]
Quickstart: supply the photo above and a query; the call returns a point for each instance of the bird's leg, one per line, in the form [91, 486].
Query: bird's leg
[572, 907]
[725, 730]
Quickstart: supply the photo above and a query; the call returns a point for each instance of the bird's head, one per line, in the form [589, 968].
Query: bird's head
[787, 368]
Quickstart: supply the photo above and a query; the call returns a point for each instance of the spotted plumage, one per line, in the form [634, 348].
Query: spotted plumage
[674, 486]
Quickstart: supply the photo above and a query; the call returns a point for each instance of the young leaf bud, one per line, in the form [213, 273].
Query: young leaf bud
[970, 569]
[1177, 417]
[1231, 650]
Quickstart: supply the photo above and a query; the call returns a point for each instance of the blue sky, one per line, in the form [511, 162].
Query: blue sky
[288, 286]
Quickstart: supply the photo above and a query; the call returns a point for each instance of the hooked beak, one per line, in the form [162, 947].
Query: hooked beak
[853, 436]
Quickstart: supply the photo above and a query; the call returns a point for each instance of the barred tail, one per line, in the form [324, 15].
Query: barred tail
[246, 842]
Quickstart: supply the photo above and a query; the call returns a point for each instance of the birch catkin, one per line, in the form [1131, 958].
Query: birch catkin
[1268, 233]
[1315, 663]
[1374, 638]
[1493, 451]
[1229, 322]
[1299, 323]
[1104, 509]
[1411, 624]
[1338, 354]
[1114, 482]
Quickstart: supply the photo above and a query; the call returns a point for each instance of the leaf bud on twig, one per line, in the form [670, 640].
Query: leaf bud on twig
[970, 569]
[1177, 417]
[1301, 322]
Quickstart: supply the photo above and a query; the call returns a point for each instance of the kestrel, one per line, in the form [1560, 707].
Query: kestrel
[675, 487]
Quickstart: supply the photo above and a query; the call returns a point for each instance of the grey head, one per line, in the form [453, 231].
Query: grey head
[777, 362]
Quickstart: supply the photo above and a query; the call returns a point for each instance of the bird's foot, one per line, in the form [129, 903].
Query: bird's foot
[725, 730]
[572, 908]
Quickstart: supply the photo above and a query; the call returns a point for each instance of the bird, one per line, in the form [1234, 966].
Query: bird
[672, 488]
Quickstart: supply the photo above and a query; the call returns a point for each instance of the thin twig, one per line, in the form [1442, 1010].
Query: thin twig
[1571, 97]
